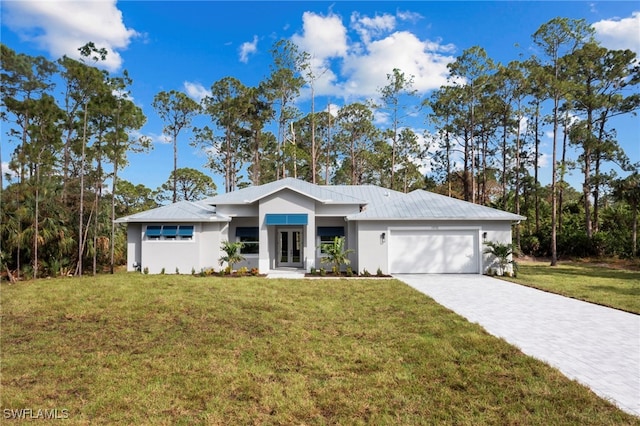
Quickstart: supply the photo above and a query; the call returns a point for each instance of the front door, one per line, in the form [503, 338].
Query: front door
[290, 247]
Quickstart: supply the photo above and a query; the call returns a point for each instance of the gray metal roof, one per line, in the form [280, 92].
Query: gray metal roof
[377, 204]
[251, 194]
[182, 211]
[421, 205]
[368, 193]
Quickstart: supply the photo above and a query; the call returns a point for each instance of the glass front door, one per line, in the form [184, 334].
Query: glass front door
[290, 247]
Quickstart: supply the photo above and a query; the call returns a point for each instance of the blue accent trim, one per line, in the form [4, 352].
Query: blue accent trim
[330, 231]
[286, 219]
[185, 231]
[153, 230]
[170, 230]
[247, 231]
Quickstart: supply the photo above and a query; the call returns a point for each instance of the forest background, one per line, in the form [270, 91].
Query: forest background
[73, 124]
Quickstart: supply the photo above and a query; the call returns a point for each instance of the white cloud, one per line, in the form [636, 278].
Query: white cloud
[248, 48]
[369, 28]
[196, 91]
[617, 33]
[357, 66]
[323, 37]
[403, 50]
[62, 27]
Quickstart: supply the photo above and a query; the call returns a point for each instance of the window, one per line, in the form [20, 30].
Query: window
[169, 232]
[250, 237]
[327, 234]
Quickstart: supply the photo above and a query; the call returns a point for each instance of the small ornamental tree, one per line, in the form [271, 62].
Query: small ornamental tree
[232, 253]
[335, 254]
[502, 253]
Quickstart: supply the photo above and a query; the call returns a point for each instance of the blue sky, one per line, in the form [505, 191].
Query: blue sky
[188, 46]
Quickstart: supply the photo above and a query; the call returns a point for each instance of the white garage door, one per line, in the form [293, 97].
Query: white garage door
[434, 251]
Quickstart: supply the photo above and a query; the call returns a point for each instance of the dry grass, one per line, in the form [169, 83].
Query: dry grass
[135, 349]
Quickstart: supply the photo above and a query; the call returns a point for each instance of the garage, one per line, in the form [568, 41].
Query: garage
[430, 251]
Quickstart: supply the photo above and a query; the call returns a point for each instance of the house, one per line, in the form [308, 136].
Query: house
[283, 223]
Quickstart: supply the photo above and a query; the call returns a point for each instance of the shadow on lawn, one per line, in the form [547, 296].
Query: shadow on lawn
[633, 291]
[589, 271]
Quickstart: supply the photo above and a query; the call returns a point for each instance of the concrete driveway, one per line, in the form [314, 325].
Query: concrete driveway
[597, 346]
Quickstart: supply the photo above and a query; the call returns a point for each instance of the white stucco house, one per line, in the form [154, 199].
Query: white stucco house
[283, 223]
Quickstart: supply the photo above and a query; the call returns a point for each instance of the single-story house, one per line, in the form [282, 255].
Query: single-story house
[283, 224]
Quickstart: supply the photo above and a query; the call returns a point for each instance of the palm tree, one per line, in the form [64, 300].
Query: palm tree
[232, 251]
[335, 254]
[502, 253]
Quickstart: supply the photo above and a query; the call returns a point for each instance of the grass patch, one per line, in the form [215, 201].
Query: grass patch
[135, 349]
[616, 288]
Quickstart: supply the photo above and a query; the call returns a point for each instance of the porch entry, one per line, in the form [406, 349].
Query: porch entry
[289, 240]
[290, 248]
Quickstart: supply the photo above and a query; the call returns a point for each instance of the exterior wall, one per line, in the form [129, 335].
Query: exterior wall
[134, 245]
[286, 201]
[336, 209]
[209, 245]
[373, 252]
[236, 210]
[196, 254]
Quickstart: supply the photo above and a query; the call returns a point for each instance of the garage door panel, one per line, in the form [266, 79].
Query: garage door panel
[430, 251]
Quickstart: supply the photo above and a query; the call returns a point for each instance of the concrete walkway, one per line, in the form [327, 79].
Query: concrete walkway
[597, 346]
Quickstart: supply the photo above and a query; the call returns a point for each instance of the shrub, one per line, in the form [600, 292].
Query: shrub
[323, 272]
[349, 271]
[145, 270]
[366, 273]
[254, 271]
[232, 254]
[335, 254]
[243, 271]
[162, 271]
[313, 270]
[379, 272]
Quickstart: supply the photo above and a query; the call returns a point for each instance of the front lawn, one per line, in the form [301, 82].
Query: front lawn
[136, 349]
[616, 288]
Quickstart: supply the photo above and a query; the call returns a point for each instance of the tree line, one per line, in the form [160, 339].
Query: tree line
[74, 125]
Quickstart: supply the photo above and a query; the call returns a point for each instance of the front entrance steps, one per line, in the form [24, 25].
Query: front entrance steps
[286, 273]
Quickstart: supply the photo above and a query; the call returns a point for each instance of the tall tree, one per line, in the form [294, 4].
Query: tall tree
[354, 137]
[600, 78]
[192, 184]
[126, 117]
[229, 106]
[176, 110]
[556, 38]
[470, 72]
[282, 87]
[394, 100]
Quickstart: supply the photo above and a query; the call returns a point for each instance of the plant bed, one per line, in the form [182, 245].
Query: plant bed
[344, 275]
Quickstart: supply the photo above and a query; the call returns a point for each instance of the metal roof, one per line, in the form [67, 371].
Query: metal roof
[251, 194]
[377, 203]
[421, 205]
[182, 211]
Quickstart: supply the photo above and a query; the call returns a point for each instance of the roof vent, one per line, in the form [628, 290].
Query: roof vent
[386, 193]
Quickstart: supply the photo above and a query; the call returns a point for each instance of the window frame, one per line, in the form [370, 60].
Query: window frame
[327, 238]
[250, 238]
[166, 232]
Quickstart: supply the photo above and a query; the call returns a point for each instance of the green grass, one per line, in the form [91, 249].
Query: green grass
[616, 288]
[135, 349]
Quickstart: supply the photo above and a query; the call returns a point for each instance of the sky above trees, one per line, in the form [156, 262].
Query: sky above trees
[187, 46]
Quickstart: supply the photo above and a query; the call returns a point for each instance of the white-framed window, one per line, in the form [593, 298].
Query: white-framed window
[169, 232]
[250, 237]
[327, 234]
